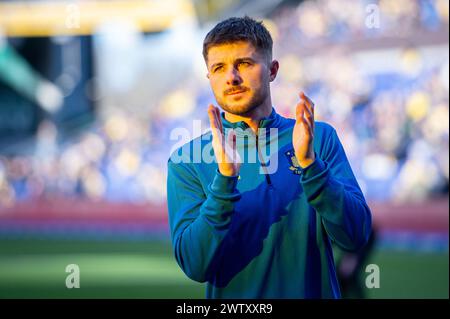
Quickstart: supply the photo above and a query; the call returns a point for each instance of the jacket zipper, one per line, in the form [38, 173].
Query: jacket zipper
[266, 174]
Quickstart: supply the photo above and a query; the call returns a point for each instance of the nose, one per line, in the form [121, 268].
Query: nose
[233, 77]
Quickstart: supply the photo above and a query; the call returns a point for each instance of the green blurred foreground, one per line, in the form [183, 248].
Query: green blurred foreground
[36, 269]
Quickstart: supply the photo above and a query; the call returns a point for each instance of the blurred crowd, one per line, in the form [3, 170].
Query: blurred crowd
[326, 21]
[389, 107]
[388, 100]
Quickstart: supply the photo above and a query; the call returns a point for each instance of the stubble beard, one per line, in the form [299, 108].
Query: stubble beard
[246, 108]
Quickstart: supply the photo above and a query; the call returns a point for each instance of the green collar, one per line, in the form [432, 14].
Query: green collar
[273, 120]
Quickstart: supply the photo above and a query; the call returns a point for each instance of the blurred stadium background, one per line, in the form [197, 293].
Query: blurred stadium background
[91, 90]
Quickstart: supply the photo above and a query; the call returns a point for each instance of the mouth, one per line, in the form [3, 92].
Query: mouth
[236, 92]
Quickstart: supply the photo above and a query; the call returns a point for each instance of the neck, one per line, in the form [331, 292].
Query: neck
[253, 117]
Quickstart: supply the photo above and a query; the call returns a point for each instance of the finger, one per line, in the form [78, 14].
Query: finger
[219, 119]
[309, 116]
[221, 132]
[231, 143]
[308, 127]
[309, 102]
[231, 139]
[310, 108]
[217, 133]
[299, 110]
[212, 120]
[212, 117]
[302, 119]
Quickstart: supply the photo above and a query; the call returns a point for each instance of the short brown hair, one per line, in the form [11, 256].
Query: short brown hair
[239, 29]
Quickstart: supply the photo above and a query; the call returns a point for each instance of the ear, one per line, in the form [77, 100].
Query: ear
[207, 75]
[274, 66]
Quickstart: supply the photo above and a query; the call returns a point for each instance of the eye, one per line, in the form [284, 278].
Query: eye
[217, 68]
[243, 63]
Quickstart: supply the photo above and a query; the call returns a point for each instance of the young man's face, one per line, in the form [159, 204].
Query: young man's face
[239, 76]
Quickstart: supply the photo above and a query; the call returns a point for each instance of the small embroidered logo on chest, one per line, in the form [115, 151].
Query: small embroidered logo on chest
[292, 160]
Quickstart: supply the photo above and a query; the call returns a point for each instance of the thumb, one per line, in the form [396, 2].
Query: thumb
[232, 144]
[231, 138]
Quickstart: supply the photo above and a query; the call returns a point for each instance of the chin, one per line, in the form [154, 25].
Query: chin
[242, 105]
[238, 109]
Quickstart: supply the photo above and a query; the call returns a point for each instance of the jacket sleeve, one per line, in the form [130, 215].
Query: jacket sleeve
[198, 220]
[332, 190]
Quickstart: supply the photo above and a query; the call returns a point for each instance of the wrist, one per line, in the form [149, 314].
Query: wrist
[228, 173]
[304, 163]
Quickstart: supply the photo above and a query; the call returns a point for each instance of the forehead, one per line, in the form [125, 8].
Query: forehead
[229, 52]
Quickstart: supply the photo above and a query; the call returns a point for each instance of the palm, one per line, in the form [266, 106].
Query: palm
[303, 133]
[225, 151]
[301, 139]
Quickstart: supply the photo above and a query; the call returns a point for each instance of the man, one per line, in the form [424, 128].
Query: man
[245, 228]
